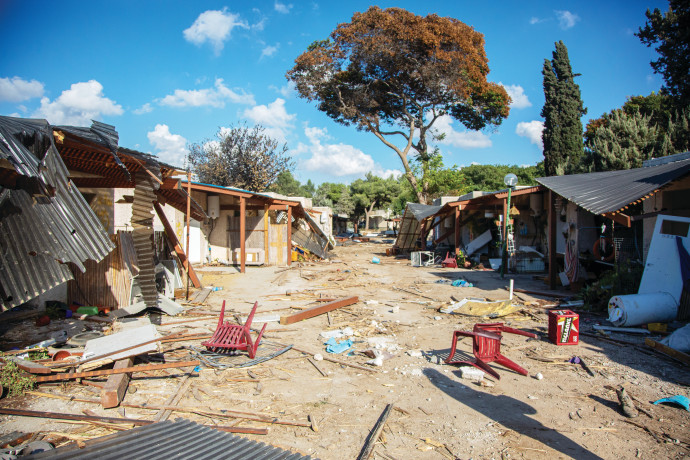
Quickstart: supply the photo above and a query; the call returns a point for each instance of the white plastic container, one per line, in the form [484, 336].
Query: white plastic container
[637, 309]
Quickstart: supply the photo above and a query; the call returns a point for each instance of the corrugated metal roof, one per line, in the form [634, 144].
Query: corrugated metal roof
[611, 191]
[39, 233]
[167, 440]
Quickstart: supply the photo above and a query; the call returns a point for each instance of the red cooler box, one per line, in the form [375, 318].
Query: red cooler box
[564, 327]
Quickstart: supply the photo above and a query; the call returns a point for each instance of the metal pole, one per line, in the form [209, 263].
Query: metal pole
[189, 209]
[504, 262]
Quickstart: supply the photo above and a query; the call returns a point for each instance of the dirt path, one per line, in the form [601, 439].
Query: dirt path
[567, 414]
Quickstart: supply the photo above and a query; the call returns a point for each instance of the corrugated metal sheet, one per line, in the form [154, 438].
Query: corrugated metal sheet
[610, 191]
[39, 233]
[142, 222]
[410, 224]
[168, 440]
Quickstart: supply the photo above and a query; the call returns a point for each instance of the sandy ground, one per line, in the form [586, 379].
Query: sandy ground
[567, 414]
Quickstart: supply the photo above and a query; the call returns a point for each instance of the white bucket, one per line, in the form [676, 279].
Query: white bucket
[637, 309]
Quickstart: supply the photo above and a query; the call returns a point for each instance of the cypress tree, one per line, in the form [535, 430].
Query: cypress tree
[562, 112]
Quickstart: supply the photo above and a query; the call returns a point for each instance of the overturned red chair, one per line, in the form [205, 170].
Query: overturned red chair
[234, 336]
[449, 261]
[486, 346]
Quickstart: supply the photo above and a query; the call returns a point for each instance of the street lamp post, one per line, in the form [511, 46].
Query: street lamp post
[511, 181]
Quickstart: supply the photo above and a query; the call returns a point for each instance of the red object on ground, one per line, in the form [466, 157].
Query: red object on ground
[449, 261]
[564, 327]
[486, 346]
[233, 336]
[43, 320]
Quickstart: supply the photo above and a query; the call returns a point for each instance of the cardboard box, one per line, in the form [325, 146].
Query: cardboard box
[564, 327]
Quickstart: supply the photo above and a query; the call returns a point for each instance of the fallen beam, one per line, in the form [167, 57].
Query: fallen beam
[130, 421]
[124, 370]
[668, 351]
[318, 310]
[375, 433]
[116, 385]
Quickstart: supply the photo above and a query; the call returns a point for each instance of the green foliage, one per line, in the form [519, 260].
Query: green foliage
[392, 73]
[373, 192]
[563, 108]
[645, 127]
[671, 33]
[287, 185]
[14, 380]
[240, 157]
[622, 280]
[489, 178]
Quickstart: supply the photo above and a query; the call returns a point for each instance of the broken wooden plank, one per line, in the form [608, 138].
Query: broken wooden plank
[368, 447]
[116, 385]
[30, 366]
[554, 295]
[125, 370]
[318, 310]
[317, 367]
[170, 233]
[672, 352]
[163, 414]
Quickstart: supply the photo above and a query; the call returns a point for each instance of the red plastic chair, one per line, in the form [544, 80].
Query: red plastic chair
[233, 336]
[449, 261]
[486, 346]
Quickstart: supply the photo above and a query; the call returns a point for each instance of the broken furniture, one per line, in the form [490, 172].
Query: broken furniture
[422, 258]
[449, 261]
[486, 346]
[233, 336]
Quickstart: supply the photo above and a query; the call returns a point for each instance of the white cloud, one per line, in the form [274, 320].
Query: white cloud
[16, 89]
[535, 20]
[146, 108]
[531, 130]
[270, 50]
[566, 19]
[282, 7]
[78, 105]
[273, 117]
[386, 173]
[212, 97]
[286, 91]
[334, 159]
[215, 27]
[518, 96]
[462, 139]
[171, 148]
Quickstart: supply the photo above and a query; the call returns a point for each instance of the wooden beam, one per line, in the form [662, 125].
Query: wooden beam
[243, 234]
[673, 353]
[619, 218]
[457, 230]
[266, 246]
[143, 165]
[368, 447]
[289, 236]
[115, 387]
[124, 370]
[318, 310]
[444, 236]
[170, 233]
[552, 239]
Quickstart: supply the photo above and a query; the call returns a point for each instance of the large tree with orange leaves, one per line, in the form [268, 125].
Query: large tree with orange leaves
[393, 73]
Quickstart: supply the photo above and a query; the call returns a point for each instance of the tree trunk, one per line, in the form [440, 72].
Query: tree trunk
[366, 214]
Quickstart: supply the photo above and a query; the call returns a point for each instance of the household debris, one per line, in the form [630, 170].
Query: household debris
[231, 337]
[480, 307]
[318, 310]
[677, 400]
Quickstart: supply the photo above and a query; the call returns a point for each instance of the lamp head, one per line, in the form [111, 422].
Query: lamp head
[510, 180]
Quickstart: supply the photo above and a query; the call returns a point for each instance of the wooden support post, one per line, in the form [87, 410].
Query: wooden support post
[552, 240]
[457, 230]
[266, 232]
[289, 236]
[170, 233]
[243, 233]
[115, 387]
[189, 212]
[318, 310]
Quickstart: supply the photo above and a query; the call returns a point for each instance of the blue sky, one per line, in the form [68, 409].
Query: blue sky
[170, 73]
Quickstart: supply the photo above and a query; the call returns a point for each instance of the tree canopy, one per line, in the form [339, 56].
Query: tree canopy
[240, 157]
[563, 108]
[671, 33]
[392, 73]
[373, 192]
[287, 185]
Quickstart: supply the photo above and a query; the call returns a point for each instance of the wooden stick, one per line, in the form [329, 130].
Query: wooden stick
[163, 414]
[224, 413]
[337, 361]
[125, 370]
[417, 294]
[318, 310]
[374, 435]
[131, 421]
[317, 367]
[673, 353]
